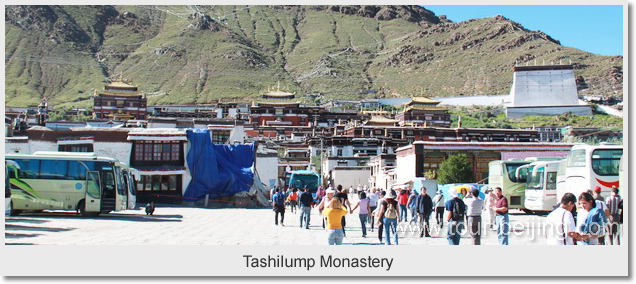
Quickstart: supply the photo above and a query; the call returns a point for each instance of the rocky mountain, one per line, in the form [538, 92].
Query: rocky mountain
[196, 54]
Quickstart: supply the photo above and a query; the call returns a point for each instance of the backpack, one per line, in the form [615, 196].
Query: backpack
[279, 198]
[391, 212]
[458, 210]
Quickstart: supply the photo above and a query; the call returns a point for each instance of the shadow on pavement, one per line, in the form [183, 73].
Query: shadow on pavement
[30, 228]
[23, 220]
[19, 236]
[110, 217]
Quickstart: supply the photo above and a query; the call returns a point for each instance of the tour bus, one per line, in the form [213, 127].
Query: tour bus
[7, 187]
[302, 179]
[504, 174]
[589, 166]
[83, 182]
[541, 185]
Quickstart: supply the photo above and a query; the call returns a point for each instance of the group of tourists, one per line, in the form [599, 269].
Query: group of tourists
[593, 220]
[597, 220]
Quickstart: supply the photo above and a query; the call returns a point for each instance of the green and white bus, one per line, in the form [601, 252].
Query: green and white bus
[504, 174]
[84, 182]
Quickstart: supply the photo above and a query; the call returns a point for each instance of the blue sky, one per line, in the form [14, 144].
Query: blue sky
[593, 28]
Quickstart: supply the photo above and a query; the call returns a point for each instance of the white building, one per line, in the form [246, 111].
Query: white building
[544, 90]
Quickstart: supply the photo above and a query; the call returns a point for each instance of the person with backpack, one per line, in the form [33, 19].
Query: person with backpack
[279, 206]
[502, 218]
[455, 217]
[438, 202]
[390, 215]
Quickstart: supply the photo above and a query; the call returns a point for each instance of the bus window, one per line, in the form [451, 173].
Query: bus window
[512, 173]
[495, 170]
[576, 158]
[606, 161]
[53, 169]
[536, 178]
[76, 170]
[551, 182]
[29, 169]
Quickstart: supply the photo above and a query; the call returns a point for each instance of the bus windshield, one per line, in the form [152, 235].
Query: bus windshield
[605, 162]
[304, 181]
[535, 180]
[512, 172]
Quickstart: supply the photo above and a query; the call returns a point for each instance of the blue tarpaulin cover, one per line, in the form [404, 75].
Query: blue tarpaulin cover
[218, 169]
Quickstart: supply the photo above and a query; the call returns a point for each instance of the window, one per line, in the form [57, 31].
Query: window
[120, 103]
[220, 136]
[52, 169]
[157, 150]
[76, 148]
[605, 161]
[576, 158]
[158, 183]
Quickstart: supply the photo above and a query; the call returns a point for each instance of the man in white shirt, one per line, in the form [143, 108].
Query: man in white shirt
[474, 206]
[560, 223]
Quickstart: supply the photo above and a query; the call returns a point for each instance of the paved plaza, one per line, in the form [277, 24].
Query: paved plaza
[227, 226]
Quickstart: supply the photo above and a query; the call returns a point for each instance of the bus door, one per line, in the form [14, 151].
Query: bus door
[93, 192]
[121, 196]
[132, 191]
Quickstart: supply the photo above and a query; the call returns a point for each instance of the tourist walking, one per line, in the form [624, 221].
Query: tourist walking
[334, 213]
[424, 208]
[403, 199]
[592, 227]
[279, 207]
[293, 199]
[390, 215]
[320, 193]
[363, 213]
[455, 217]
[306, 200]
[376, 212]
[561, 229]
[489, 204]
[502, 218]
[474, 206]
[411, 203]
[613, 202]
[439, 203]
[373, 204]
[344, 200]
[330, 193]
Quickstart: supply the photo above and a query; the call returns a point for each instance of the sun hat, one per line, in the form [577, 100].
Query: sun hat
[453, 192]
[390, 194]
[331, 191]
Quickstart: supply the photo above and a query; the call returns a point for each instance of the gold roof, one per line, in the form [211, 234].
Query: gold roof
[278, 94]
[423, 100]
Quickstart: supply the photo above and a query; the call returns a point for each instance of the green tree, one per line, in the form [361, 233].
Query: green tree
[455, 169]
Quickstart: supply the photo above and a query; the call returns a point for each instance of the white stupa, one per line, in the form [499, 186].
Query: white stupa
[544, 90]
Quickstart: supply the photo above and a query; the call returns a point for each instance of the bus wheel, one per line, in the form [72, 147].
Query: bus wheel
[14, 212]
[82, 210]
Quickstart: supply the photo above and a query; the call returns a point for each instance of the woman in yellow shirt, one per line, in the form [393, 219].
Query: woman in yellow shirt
[334, 213]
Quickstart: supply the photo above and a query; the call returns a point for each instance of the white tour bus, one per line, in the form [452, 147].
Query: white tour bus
[83, 182]
[589, 166]
[541, 186]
